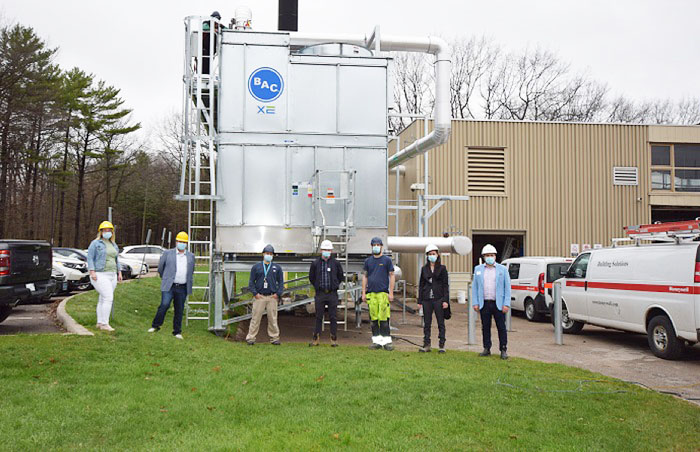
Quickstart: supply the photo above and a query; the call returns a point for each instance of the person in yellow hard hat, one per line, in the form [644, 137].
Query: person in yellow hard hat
[103, 265]
[176, 269]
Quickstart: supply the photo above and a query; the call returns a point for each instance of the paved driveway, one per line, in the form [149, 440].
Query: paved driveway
[31, 319]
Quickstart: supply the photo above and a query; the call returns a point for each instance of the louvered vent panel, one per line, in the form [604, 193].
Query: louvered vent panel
[486, 171]
[625, 175]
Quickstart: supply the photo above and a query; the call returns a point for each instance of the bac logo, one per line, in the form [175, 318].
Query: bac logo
[265, 84]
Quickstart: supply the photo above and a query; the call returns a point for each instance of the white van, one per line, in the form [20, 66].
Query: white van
[652, 289]
[531, 281]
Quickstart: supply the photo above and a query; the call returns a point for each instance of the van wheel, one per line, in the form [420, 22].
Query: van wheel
[569, 326]
[663, 341]
[5, 312]
[530, 312]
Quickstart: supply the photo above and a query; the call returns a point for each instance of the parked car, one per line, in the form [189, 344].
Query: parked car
[132, 266]
[149, 254]
[60, 278]
[75, 270]
[531, 281]
[643, 288]
[75, 253]
[25, 273]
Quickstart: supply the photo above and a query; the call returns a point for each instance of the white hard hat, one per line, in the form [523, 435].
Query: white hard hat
[326, 245]
[489, 249]
[430, 248]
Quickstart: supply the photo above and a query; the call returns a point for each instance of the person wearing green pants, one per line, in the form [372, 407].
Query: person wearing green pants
[378, 293]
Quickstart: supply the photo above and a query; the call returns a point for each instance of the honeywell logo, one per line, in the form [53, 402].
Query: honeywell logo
[679, 289]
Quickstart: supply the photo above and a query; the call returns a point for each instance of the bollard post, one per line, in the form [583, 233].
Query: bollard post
[558, 336]
[471, 321]
[508, 320]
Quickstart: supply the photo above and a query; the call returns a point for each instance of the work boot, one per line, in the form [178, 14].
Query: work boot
[389, 347]
[425, 348]
[441, 349]
[375, 346]
[334, 341]
[250, 342]
[316, 340]
[486, 352]
[277, 342]
[504, 355]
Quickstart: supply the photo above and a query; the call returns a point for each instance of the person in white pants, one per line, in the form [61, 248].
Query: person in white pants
[103, 264]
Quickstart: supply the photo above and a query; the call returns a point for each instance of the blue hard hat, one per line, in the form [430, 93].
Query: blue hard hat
[216, 15]
[269, 249]
[376, 241]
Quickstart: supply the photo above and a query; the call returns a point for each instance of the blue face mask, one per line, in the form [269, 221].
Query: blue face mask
[490, 260]
[326, 254]
[267, 257]
[107, 235]
[181, 246]
[432, 258]
[376, 249]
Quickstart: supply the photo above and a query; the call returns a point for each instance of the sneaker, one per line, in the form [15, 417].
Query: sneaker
[99, 326]
[107, 327]
[250, 342]
[486, 352]
[389, 347]
[504, 355]
[277, 342]
[442, 349]
[179, 336]
[375, 346]
[424, 349]
[152, 330]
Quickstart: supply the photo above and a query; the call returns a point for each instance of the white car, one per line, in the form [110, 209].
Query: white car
[643, 288]
[531, 281]
[75, 270]
[134, 265]
[150, 254]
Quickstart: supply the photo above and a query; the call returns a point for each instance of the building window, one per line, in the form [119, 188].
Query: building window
[675, 167]
[486, 171]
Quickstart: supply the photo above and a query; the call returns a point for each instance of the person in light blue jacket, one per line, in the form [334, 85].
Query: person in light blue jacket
[491, 297]
[103, 265]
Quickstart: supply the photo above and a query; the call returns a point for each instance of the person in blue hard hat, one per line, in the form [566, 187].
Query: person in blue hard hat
[378, 293]
[266, 284]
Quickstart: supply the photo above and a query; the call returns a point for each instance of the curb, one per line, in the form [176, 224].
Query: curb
[68, 322]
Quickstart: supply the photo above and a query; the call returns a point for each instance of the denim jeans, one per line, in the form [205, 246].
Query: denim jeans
[179, 294]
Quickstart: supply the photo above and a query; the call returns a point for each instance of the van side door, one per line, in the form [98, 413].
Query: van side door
[574, 290]
[515, 295]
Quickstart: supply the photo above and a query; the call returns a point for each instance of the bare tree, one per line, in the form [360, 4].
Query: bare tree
[471, 60]
[412, 74]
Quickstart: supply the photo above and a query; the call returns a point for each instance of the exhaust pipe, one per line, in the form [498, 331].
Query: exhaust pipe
[288, 15]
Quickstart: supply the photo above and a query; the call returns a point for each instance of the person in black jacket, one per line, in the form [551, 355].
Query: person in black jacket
[325, 275]
[433, 295]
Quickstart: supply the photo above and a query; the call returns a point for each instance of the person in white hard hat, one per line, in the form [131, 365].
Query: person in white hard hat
[433, 295]
[491, 297]
[325, 274]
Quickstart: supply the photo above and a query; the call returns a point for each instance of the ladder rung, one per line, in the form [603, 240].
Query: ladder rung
[200, 287]
[200, 227]
[197, 302]
[202, 257]
[202, 211]
[207, 242]
[197, 318]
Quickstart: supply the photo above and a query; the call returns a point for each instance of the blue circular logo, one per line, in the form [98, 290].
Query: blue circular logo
[265, 84]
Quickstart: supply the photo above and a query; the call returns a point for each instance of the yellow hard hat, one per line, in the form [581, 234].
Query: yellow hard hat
[182, 237]
[105, 225]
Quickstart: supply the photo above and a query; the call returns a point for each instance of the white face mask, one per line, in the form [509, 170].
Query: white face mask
[107, 235]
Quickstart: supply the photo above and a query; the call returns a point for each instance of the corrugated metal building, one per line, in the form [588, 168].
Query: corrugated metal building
[537, 188]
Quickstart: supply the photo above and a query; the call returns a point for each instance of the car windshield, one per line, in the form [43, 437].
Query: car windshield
[556, 271]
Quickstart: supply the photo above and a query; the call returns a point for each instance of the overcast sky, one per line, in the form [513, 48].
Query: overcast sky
[642, 48]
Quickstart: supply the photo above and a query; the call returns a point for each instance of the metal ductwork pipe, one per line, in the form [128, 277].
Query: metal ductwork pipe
[458, 244]
[288, 15]
[443, 67]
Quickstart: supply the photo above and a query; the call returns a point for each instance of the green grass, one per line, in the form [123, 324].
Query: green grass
[132, 390]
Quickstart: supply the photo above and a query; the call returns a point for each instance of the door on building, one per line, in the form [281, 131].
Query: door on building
[666, 214]
[508, 244]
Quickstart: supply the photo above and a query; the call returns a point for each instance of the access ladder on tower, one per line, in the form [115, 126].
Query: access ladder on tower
[199, 143]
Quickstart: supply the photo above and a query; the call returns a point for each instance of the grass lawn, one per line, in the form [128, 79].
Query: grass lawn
[133, 390]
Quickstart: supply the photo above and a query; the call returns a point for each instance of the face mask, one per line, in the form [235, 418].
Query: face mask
[376, 249]
[432, 258]
[181, 246]
[107, 235]
[326, 254]
[490, 260]
[267, 258]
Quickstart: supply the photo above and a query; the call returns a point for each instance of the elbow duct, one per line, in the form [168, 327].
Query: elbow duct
[443, 67]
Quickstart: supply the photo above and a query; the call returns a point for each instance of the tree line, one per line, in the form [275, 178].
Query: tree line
[531, 84]
[68, 151]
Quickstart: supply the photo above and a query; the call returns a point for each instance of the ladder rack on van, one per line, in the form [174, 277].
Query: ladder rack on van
[665, 232]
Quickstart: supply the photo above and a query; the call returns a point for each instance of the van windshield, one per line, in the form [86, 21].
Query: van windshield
[556, 271]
